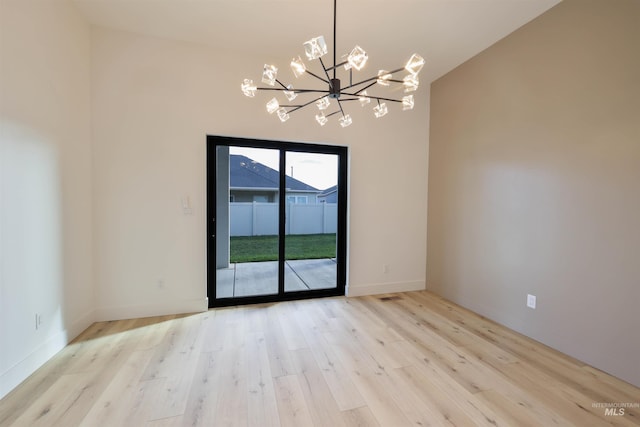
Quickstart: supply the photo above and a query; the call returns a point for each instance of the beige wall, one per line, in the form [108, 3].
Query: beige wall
[153, 103]
[533, 182]
[45, 183]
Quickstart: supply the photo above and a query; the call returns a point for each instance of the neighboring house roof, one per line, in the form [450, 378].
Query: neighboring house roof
[247, 173]
[325, 193]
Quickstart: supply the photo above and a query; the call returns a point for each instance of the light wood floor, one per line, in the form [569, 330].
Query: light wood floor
[391, 360]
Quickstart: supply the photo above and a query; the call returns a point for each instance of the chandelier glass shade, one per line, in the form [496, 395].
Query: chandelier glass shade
[330, 97]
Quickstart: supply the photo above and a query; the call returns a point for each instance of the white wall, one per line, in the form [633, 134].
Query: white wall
[154, 101]
[45, 183]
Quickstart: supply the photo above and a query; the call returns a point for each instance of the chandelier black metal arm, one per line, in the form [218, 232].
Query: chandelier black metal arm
[297, 107]
[376, 78]
[277, 89]
[327, 73]
[377, 98]
[318, 77]
[338, 65]
[325, 92]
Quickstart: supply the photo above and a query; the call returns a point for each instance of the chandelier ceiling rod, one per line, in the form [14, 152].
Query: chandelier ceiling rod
[315, 49]
[335, 14]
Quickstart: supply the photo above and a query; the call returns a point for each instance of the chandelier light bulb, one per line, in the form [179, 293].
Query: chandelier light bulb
[410, 83]
[283, 115]
[415, 64]
[290, 94]
[364, 99]
[407, 102]
[345, 121]
[298, 67]
[323, 103]
[383, 78]
[322, 119]
[344, 60]
[357, 58]
[248, 88]
[272, 106]
[380, 110]
[315, 48]
[269, 74]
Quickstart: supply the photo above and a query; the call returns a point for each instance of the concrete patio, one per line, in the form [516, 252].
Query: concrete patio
[261, 278]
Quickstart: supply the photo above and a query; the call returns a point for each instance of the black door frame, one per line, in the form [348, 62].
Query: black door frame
[214, 141]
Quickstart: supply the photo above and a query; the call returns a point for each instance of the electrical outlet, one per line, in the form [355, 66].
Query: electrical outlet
[186, 205]
[161, 284]
[38, 321]
[385, 268]
[531, 301]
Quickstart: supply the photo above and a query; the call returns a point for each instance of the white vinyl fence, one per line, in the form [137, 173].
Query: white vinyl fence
[261, 219]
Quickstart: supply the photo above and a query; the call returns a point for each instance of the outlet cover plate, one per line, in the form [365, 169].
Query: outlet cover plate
[531, 301]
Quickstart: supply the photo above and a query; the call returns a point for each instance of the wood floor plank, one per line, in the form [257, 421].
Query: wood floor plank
[322, 406]
[291, 404]
[447, 413]
[290, 329]
[177, 365]
[231, 380]
[342, 388]
[119, 399]
[461, 367]
[153, 333]
[422, 310]
[51, 406]
[99, 351]
[383, 360]
[255, 317]
[561, 398]
[442, 383]
[262, 407]
[201, 404]
[85, 390]
[378, 338]
[451, 358]
[360, 417]
[611, 386]
[277, 347]
[22, 398]
[512, 411]
[176, 421]
[144, 402]
[366, 373]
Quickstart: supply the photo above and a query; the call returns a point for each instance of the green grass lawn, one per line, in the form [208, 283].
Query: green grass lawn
[265, 248]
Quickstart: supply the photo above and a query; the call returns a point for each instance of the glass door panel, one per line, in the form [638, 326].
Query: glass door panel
[247, 221]
[311, 221]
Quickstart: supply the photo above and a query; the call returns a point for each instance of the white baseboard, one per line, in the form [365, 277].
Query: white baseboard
[385, 288]
[41, 354]
[153, 309]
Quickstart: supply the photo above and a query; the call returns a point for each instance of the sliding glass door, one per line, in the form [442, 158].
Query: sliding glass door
[277, 220]
[311, 221]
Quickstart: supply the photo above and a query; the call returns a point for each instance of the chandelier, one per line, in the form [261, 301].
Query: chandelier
[333, 89]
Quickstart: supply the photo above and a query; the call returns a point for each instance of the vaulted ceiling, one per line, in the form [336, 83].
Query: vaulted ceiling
[445, 32]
